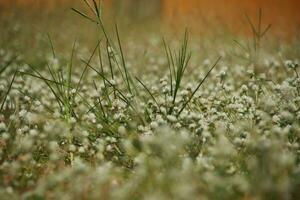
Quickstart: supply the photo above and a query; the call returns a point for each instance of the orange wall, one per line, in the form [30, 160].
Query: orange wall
[45, 4]
[281, 13]
[275, 10]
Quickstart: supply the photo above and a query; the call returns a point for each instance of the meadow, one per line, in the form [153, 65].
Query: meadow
[91, 108]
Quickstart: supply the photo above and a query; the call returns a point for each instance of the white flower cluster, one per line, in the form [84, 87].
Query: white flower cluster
[111, 137]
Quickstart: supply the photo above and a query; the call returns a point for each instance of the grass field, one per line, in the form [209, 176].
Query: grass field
[95, 110]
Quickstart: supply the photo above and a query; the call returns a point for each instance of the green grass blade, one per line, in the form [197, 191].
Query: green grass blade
[266, 30]
[112, 85]
[51, 45]
[8, 90]
[84, 15]
[86, 66]
[8, 64]
[169, 66]
[70, 68]
[148, 91]
[96, 8]
[197, 88]
[123, 60]
[89, 6]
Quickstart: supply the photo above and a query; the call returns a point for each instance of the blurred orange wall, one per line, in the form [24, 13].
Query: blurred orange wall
[275, 10]
[283, 14]
[49, 5]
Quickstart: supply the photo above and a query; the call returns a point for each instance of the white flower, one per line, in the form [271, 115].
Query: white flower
[206, 62]
[81, 149]
[72, 148]
[170, 100]
[2, 126]
[33, 132]
[85, 133]
[73, 120]
[154, 125]
[92, 117]
[109, 148]
[140, 128]
[122, 130]
[99, 126]
[244, 88]
[172, 118]
[222, 75]
[5, 136]
[53, 146]
[112, 82]
[73, 91]
[109, 49]
[22, 113]
[290, 64]
[178, 125]
[56, 114]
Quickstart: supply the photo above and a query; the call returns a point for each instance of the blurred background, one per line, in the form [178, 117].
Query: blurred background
[26, 20]
[283, 14]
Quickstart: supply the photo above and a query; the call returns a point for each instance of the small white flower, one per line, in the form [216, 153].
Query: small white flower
[109, 148]
[109, 49]
[222, 74]
[33, 132]
[53, 146]
[56, 114]
[73, 91]
[85, 133]
[99, 126]
[140, 128]
[2, 126]
[72, 148]
[22, 113]
[244, 88]
[172, 118]
[154, 125]
[112, 82]
[81, 149]
[73, 120]
[290, 64]
[178, 125]
[122, 130]
[5, 136]
[206, 62]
